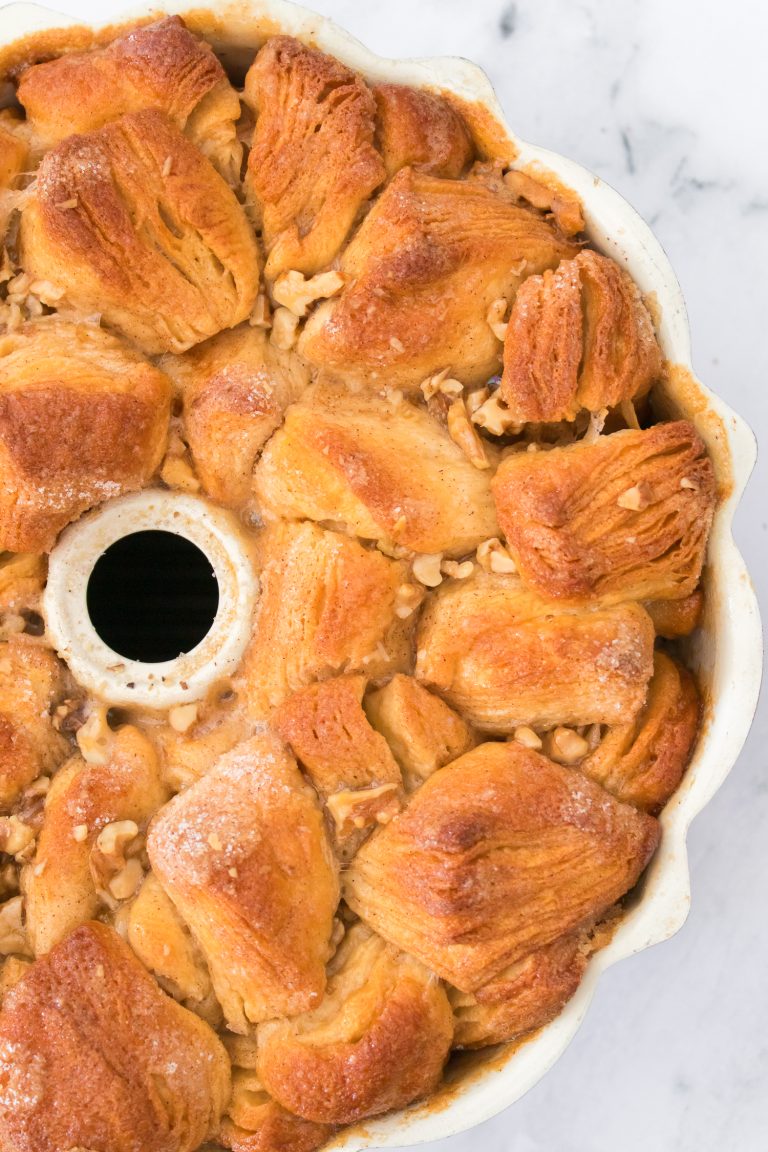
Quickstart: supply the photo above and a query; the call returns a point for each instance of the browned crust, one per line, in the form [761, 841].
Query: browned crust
[643, 763]
[423, 269]
[244, 856]
[312, 163]
[504, 656]
[497, 855]
[420, 728]
[419, 129]
[626, 517]
[82, 418]
[327, 606]
[378, 1042]
[673, 619]
[330, 735]
[525, 996]
[189, 271]
[94, 1055]
[159, 65]
[31, 683]
[578, 337]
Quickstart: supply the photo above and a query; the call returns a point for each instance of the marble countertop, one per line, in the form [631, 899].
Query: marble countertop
[653, 96]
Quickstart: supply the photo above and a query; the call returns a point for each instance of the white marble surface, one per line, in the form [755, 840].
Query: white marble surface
[665, 100]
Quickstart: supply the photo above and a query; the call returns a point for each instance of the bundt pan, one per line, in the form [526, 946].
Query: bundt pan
[725, 651]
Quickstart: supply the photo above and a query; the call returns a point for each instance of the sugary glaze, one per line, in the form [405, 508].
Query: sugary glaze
[413, 814]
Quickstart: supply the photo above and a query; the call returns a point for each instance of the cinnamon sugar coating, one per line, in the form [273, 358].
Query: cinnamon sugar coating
[83, 417]
[377, 1041]
[626, 517]
[383, 468]
[31, 684]
[418, 129]
[327, 606]
[524, 996]
[312, 164]
[93, 1055]
[497, 855]
[578, 337]
[245, 857]
[132, 222]
[422, 271]
[161, 65]
[505, 657]
[642, 762]
[235, 390]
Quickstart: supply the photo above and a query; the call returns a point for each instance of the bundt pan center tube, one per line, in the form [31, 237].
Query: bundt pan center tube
[725, 652]
[156, 684]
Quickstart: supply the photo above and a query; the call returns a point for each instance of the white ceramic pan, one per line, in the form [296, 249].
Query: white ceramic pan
[727, 653]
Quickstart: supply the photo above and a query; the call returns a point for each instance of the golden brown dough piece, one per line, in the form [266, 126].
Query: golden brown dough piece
[417, 129]
[236, 388]
[94, 1056]
[579, 337]
[245, 857]
[159, 65]
[643, 762]
[132, 222]
[421, 273]
[83, 417]
[387, 471]
[422, 731]
[254, 1121]
[526, 995]
[349, 763]
[377, 1041]
[505, 657]
[327, 606]
[331, 737]
[675, 618]
[60, 885]
[312, 164]
[497, 855]
[162, 942]
[219, 725]
[31, 683]
[624, 518]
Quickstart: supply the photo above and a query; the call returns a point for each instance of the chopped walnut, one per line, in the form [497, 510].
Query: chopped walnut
[441, 384]
[261, 313]
[80, 833]
[296, 293]
[637, 498]
[565, 746]
[16, 837]
[284, 329]
[70, 715]
[494, 417]
[595, 426]
[458, 571]
[464, 435]
[13, 937]
[426, 569]
[527, 737]
[182, 717]
[177, 472]
[357, 809]
[495, 317]
[476, 399]
[94, 737]
[407, 600]
[492, 556]
[115, 869]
